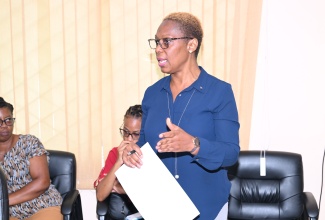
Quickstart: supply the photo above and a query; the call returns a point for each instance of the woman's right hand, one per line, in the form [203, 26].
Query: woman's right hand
[120, 149]
[132, 155]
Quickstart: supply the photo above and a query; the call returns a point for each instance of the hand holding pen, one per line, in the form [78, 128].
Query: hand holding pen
[132, 156]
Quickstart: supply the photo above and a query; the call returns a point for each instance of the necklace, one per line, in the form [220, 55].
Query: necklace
[179, 121]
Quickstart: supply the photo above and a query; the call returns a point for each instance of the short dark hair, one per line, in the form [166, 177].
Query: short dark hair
[4, 104]
[134, 111]
[189, 25]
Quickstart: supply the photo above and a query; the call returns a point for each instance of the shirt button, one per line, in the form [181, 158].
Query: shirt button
[180, 95]
[201, 87]
[197, 160]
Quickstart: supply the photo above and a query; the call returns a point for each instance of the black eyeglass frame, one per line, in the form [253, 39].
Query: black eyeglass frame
[123, 131]
[12, 120]
[166, 41]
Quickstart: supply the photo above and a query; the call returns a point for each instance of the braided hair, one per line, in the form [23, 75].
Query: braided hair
[134, 112]
[4, 104]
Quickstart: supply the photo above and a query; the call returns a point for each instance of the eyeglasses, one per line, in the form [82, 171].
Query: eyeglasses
[7, 121]
[164, 42]
[126, 134]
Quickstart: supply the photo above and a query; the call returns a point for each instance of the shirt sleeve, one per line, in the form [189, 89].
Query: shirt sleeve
[224, 149]
[109, 163]
[34, 147]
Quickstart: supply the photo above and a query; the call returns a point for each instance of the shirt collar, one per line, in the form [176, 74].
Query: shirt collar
[199, 84]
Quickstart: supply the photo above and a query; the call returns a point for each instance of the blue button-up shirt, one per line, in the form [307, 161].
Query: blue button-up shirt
[207, 110]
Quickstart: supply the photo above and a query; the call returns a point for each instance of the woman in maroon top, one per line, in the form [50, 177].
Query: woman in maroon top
[130, 131]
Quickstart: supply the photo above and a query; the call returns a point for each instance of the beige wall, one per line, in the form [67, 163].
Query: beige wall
[289, 101]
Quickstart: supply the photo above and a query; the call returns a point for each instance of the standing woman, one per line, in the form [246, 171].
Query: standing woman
[189, 118]
[24, 161]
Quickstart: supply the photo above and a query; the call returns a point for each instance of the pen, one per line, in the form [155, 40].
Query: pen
[131, 152]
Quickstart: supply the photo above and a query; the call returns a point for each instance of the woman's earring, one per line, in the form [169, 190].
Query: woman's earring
[190, 51]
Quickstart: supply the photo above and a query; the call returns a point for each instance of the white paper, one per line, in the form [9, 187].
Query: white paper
[154, 191]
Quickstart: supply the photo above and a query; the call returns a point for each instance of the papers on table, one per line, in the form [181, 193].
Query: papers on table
[154, 190]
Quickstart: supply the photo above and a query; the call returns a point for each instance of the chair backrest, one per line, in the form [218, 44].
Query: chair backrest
[4, 201]
[277, 195]
[63, 170]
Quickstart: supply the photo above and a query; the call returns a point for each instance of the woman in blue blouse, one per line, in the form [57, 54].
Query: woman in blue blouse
[190, 118]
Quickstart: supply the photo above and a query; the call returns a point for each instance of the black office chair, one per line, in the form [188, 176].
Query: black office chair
[107, 210]
[63, 171]
[102, 210]
[4, 201]
[277, 195]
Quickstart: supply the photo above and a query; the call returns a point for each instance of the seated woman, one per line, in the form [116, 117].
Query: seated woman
[107, 184]
[24, 161]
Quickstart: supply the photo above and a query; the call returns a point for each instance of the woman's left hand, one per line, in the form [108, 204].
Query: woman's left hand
[175, 140]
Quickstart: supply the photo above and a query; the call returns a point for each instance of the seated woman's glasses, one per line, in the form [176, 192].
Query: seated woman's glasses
[125, 133]
[7, 121]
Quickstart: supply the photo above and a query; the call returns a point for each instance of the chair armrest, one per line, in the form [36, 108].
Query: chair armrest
[71, 205]
[311, 206]
[102, 208]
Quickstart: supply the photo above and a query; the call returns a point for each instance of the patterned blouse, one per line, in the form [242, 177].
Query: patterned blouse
[16, 168]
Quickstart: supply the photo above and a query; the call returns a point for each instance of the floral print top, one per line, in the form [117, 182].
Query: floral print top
[16, 168]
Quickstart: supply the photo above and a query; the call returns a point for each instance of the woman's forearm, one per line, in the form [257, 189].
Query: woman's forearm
[31, 191]
[105, 186]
